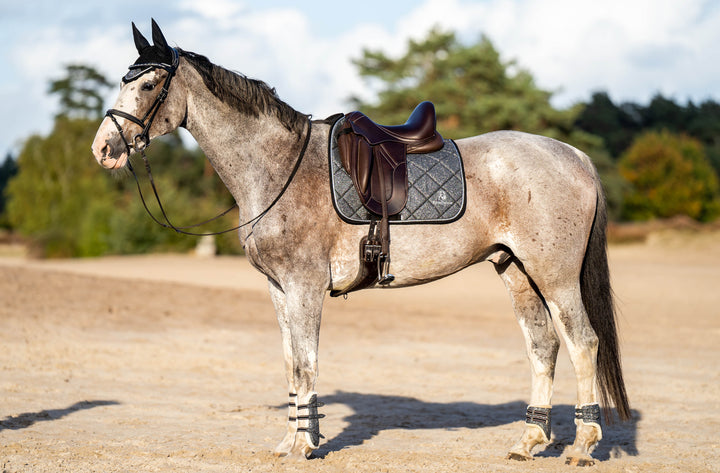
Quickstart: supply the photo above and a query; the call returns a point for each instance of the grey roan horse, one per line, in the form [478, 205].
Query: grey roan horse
[535, 209]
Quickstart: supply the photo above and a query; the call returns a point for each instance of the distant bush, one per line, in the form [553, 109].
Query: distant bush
[670, 175]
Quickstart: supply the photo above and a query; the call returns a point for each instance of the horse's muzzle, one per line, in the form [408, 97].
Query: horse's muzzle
[110, 156]
[110, 150]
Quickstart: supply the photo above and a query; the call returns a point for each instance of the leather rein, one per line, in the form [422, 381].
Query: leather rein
[142, 140]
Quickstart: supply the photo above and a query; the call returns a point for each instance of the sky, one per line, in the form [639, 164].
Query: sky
[632, 49]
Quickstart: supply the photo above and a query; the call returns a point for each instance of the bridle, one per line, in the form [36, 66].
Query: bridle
[136, 71]
[141, 141]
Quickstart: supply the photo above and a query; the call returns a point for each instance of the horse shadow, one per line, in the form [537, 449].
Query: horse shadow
[373, 413]
[27, 419]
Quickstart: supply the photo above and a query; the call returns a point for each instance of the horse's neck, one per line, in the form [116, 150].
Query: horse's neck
[251, 155]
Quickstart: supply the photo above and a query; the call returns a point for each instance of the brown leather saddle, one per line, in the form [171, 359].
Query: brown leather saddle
[375, 157]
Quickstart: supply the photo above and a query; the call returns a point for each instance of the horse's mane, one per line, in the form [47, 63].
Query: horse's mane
[250, 96]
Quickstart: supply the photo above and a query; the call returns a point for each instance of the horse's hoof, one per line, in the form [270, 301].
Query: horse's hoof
[285, 447]
[579, 461]
[518, 457]
[293, 455]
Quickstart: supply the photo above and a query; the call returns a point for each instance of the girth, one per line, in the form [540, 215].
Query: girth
[375, 157]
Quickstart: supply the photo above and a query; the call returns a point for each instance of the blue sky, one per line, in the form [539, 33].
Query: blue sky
[630, 48]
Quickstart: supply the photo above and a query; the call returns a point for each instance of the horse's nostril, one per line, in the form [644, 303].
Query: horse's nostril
[106, 150]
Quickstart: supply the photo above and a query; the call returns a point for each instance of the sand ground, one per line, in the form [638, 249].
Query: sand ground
[173, 363]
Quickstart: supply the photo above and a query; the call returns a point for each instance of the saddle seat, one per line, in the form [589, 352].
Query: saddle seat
[418, 132]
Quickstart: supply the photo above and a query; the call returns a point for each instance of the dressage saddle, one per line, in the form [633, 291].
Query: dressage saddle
[375, 157]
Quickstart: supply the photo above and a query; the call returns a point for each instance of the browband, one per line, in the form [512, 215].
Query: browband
[136, 70]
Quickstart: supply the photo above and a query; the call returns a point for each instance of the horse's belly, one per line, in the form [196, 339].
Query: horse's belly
[418, 254]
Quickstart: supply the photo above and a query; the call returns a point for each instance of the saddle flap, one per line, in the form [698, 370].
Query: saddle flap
[393, 172]
[357, 159]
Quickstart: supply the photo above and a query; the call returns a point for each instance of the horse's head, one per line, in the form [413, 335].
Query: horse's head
[146, 107]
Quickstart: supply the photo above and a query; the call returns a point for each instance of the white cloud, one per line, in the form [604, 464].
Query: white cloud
[633, 49]
[630, 48]
[216, 11]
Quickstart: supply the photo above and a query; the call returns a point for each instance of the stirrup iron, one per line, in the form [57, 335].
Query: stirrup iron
[384, 277]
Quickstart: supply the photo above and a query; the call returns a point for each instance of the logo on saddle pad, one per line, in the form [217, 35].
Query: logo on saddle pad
[441, 199]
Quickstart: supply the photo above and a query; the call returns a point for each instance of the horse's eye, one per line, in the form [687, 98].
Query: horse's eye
[148, 86]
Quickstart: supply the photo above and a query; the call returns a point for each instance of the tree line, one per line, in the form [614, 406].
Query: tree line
[656, 160]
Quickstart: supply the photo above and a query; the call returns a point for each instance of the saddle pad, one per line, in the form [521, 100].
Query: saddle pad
[436, 187]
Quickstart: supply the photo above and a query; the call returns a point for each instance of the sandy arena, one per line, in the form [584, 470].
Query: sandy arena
[173, 363]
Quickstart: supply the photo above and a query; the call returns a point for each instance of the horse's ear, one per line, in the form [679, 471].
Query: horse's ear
[140, 41]
[158, 38]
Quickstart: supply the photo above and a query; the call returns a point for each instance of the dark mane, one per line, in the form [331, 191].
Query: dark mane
[250, 96]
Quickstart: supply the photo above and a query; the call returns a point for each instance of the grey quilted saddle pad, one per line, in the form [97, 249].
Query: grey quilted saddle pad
[436, 187]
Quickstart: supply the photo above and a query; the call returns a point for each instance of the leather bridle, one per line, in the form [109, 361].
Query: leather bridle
[142, 140]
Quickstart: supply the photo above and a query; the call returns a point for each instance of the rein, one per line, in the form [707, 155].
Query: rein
[142, 140]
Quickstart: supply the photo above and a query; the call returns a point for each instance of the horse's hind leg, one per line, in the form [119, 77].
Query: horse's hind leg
[298, 313]
[542, 345]
[568, 312]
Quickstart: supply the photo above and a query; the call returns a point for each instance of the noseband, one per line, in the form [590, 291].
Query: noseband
[142, 140]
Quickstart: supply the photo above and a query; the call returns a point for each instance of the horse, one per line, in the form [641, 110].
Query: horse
[535, 209]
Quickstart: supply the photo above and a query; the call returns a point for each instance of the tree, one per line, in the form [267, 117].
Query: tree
[80, 92]
[664, 114]
[670, 176]
[58, 183]
[8, 169]
[617, 125]
[473, 90]
[67, 205]
[704, 125]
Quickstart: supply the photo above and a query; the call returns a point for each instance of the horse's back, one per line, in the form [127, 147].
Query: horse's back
[526, 153]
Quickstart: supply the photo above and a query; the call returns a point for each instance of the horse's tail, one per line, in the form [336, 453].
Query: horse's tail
[597, 298]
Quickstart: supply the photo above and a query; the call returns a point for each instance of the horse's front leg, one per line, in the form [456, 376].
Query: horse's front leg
[278, 298]
[299, 312]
